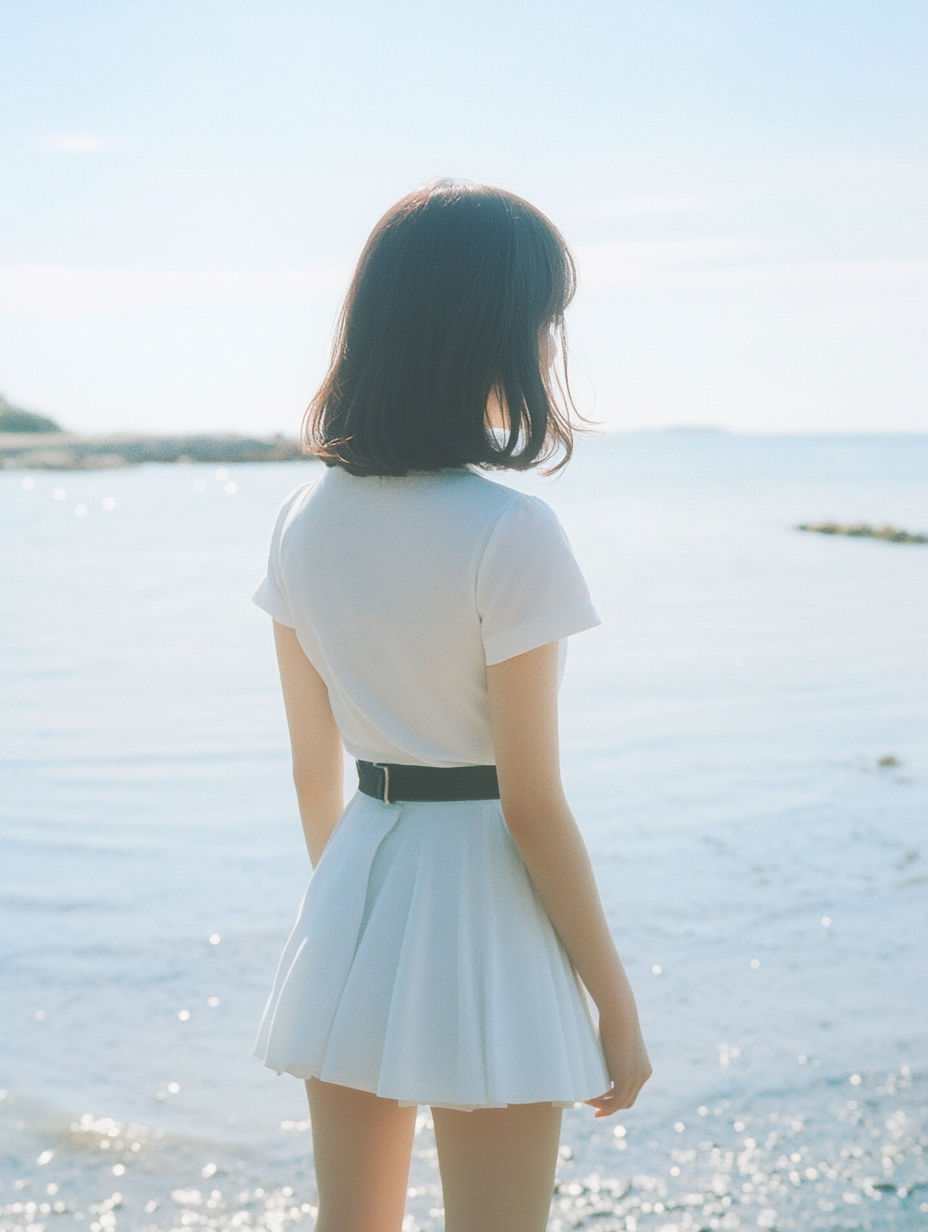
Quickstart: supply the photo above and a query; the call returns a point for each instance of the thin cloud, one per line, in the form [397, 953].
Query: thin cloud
[841, 184]
[733, 262]
[647, 207]
[74, 291]
[628, 263]
[79, 143]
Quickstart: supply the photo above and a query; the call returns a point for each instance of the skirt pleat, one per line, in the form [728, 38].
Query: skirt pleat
[424, 968]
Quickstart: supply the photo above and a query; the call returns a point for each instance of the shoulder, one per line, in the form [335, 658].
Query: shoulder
[296, 501]
[530, 589]
[500, 520]
[526, 541]
[508, 505]
[288, 515]
[523, 519]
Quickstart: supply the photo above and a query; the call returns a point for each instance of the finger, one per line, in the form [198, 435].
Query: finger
[609, 1110]
[597, 1098]
[614, 1102]
[604, 1105]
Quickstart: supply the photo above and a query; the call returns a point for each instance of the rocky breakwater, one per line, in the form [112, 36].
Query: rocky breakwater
[61, 451]
[862, 530]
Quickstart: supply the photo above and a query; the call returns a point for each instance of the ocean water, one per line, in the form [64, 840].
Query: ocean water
[744, 747]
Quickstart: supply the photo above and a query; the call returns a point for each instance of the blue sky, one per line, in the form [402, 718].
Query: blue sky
[187, 184]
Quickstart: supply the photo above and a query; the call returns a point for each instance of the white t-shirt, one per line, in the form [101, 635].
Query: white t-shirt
[403, 590]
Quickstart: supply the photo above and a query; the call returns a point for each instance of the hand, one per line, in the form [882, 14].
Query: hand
[628, 1065]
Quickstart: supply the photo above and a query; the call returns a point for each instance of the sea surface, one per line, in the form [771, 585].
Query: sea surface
[744, 745]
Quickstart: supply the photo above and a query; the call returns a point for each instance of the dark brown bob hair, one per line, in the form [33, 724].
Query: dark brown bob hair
[453, 293]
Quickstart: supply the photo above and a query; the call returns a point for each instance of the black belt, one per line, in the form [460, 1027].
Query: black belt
[394, 783]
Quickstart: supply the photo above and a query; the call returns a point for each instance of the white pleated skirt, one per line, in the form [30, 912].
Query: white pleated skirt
[424, 968]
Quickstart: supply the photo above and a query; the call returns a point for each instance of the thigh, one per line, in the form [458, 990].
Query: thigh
[497, 1166]
[361, 1147]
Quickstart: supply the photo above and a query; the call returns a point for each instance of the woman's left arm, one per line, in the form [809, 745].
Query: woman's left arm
[523, 712]
[315, 742]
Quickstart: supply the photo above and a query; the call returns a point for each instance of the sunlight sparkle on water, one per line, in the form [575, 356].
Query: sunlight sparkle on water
[60, 494]
[612, 1177]
[109, 503]
[80, 511]
[231, 487]
[29, 483]
[222, 474]
[727, 1053]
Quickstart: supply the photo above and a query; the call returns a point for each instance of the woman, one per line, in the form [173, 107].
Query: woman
[418, 611]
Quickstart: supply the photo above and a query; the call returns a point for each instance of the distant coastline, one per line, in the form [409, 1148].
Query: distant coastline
[66, 451]
[29, 441]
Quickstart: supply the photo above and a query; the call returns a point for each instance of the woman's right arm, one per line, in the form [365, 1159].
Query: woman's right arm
[523, 713]
[315, 742]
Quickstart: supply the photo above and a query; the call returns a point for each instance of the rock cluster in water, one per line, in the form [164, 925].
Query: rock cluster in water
[862, 531]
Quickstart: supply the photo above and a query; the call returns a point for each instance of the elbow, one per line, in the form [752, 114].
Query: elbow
[306, 784]
[316, 790]
[534, 816]
[520, 821]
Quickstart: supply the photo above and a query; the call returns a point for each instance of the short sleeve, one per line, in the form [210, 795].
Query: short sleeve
[530, 590]
[271, 592]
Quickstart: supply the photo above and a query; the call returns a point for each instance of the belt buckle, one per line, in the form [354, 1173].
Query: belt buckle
[386, 781]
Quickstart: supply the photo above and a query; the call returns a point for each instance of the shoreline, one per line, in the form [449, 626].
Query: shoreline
[67, 451]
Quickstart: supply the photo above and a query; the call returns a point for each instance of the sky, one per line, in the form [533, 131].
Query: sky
[187, 184]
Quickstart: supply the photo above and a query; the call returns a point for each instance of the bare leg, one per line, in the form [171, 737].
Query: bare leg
[362, 1146]
[497, 1166]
